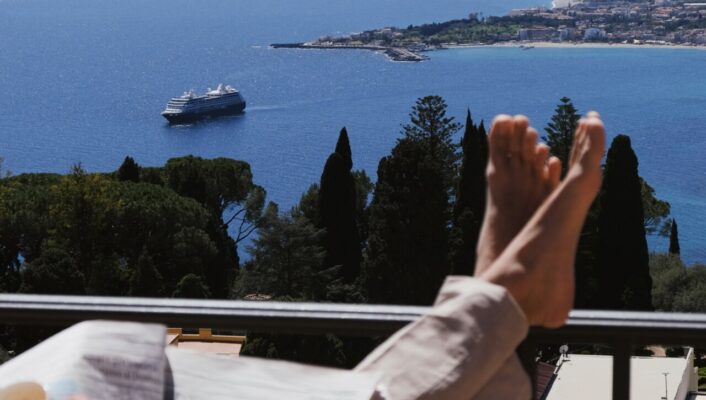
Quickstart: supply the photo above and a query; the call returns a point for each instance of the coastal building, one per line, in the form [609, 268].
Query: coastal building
[584, 377]
[519, 12]
[567, 34]
[594, 34]
[536, 34]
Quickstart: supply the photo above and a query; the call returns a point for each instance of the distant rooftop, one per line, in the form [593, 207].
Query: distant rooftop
[589, 377]
[206, 342]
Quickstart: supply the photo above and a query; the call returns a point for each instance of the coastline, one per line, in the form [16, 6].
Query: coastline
[574, 45]
[407, 54]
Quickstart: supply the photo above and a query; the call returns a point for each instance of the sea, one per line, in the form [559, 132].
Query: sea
[85, 81]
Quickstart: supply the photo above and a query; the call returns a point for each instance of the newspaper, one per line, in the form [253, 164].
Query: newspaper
[124, 360]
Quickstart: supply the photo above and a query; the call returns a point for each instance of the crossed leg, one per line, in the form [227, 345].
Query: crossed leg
[520, 176]
[537, 266]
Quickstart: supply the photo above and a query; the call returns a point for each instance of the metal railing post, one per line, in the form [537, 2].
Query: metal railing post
[622, 352]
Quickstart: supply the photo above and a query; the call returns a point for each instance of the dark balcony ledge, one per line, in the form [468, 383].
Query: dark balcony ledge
[619, 329]
[347, 319]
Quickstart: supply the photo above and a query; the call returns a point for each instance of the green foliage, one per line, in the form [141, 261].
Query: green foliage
[587, 261]
[54, 272]
[343, 147]
[192, 286]
[410, 215]
[308, 206]
[146, 281]
[121, 237]
[430, 125]
[286, 259]
[560, 132]
[337, 211]
[469, 207]
[409, 219]
[363, 188]
[129, 170]
[624, 276]
[656, 211]
[674, 247]
[675, 286]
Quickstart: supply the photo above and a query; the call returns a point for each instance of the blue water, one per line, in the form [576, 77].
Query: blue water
[85, 80]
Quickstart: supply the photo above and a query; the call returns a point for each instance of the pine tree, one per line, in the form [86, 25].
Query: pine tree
[407, 244]
[674, 239]
[129, 170]
[469, 207]
[624, 277]
[410, 215]
[560, 132]
[337, 211]
[430, 125]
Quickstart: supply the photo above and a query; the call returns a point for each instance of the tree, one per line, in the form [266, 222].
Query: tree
[286, 259]
[337, 211]
[560, 132]
[624, 276]
[225, 188]
[469, 207]
[656, 211]
[674, 239]
[430, 125]
[146, 281]
[677, 287]
[410, 215]
[191, 286]
[343, 147]
[407, 257]
[54, 272]
[129, 170]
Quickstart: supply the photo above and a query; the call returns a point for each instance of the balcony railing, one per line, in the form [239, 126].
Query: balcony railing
[623, 331]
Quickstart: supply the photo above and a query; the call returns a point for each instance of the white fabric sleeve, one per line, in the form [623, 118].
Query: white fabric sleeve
[454, 351]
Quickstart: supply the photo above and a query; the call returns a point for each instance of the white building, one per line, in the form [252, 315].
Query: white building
[593, 34]
[589, 377]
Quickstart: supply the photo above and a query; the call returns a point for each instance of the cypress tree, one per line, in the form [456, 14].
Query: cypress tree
[343, 147]
[129, 170]
[674, 239]
[469, 207]
[624, 277]
[560, 132]
[337, 212]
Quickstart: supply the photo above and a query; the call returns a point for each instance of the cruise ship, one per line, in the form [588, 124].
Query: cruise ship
[189, 107]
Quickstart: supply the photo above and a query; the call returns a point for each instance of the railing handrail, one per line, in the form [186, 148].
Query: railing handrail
[623, 330]
[315, 318]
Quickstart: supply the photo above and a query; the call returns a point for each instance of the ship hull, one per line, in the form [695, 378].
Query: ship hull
[188, 117]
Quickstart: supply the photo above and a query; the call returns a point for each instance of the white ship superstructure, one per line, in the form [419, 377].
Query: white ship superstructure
[190, 107]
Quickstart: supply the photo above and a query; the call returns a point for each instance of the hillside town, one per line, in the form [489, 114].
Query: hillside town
[656, 22]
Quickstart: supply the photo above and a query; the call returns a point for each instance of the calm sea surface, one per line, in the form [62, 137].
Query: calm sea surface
[85, 81]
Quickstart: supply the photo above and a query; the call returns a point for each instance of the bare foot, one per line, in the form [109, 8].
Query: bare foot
[519, 178]
[537, 267]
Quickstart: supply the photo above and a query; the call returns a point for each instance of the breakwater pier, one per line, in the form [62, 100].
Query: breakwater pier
[393, 53]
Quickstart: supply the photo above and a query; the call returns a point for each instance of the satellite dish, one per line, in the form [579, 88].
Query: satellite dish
[564, 349]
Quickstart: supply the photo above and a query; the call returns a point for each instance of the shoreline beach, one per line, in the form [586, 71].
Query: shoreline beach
[575, 45]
